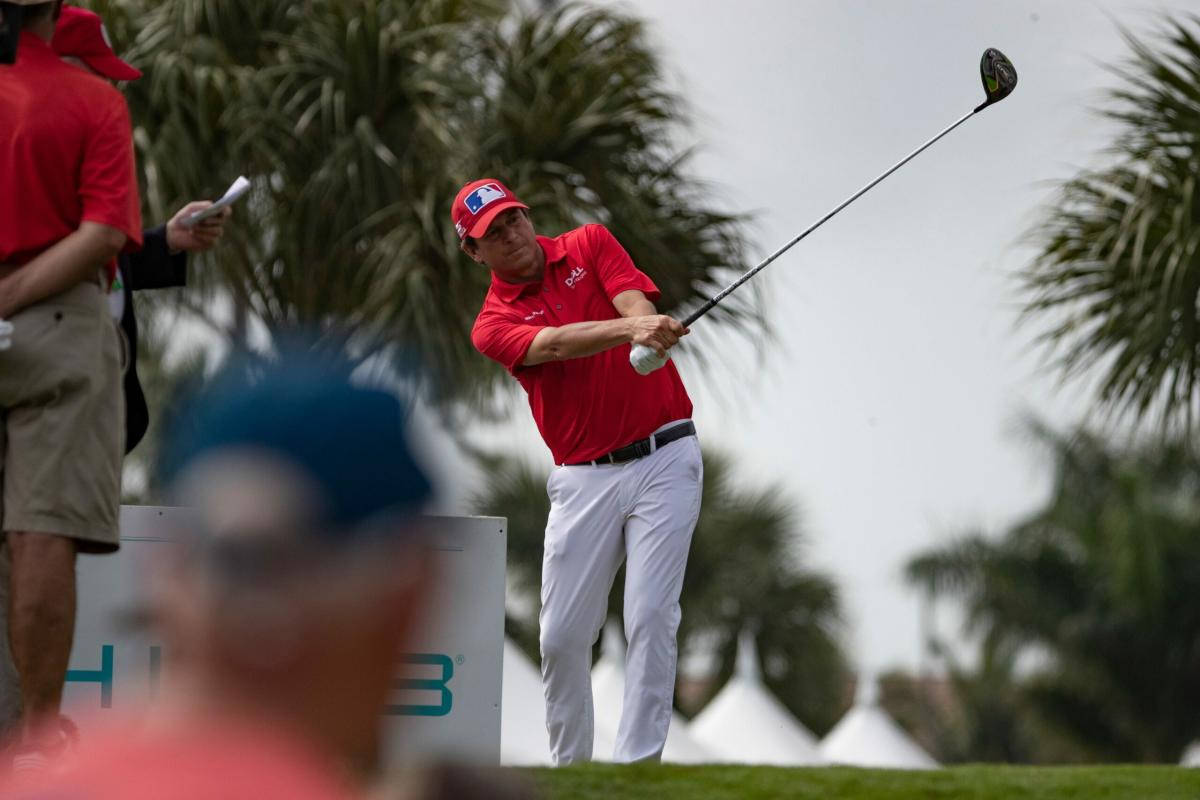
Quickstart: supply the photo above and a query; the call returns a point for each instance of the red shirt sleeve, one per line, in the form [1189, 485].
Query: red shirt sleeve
[108, 190]
[614, 266]
[503, 340]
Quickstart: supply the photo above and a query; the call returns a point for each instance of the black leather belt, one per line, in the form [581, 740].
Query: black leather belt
[642, 447]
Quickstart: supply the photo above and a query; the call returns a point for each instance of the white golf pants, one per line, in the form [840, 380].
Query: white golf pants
[641, 512]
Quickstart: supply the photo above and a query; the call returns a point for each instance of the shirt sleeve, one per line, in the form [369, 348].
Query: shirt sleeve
[614, 267]
[503, 340]
[155, 266]
[108, 190]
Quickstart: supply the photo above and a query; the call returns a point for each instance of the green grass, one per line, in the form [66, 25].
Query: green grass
[670, 782]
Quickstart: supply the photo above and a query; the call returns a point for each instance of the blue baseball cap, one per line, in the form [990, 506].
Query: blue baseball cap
[348, 441]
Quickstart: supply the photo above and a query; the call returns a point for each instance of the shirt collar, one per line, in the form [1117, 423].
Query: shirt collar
[554, 249]
[509, 292]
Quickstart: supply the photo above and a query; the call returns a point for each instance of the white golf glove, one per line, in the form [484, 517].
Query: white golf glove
[6, 330]
[645, 360]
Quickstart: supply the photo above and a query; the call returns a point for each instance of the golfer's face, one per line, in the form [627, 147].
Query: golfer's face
[510, 245]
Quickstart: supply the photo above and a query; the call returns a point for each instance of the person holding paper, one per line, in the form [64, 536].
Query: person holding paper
[160, 264]
[68, 205]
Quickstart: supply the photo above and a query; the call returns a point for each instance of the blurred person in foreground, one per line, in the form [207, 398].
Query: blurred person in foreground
[285, 604]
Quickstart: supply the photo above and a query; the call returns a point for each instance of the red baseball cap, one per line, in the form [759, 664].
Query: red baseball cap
[478, 203]
[80, 33]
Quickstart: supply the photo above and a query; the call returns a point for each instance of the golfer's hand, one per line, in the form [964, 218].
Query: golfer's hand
[201, 236]
[658, 332]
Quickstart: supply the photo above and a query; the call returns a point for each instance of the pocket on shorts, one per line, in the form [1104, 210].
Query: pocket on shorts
[697, 465]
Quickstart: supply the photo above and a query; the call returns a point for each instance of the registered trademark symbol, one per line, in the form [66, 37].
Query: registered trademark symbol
[459, 660]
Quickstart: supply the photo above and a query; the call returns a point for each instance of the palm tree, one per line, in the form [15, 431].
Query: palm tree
[1118, 275]
[1100, 586]
[361, 118]
[744, 571]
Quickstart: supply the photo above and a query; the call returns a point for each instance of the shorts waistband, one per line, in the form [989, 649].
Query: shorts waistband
[642, 447]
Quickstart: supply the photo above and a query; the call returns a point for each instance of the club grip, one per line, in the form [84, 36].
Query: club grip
[645, 360]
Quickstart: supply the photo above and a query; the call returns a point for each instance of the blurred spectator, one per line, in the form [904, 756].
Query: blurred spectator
[68, 205]
[284, 608]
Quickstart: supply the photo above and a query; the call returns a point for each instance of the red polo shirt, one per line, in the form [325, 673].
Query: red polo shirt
[584, 407]
[66, 150]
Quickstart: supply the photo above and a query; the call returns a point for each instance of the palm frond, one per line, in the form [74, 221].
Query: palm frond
[1118, 274]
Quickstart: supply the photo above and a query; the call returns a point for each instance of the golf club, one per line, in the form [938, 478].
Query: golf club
[999, 79]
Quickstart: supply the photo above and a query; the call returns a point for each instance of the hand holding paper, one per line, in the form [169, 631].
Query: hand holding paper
[235, 192]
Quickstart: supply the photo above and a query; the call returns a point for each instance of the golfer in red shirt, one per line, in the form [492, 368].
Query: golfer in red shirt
[561, 315]
[68, 205]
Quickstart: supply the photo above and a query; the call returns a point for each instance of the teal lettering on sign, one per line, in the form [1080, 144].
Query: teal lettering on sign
[440, 685]
[102, 676]
[436, 680]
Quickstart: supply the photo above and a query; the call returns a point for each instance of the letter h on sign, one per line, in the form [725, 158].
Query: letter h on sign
[102, 676]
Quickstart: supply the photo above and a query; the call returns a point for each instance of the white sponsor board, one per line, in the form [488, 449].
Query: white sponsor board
[447, 697]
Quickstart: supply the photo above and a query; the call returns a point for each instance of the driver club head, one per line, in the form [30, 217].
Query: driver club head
[999, 77]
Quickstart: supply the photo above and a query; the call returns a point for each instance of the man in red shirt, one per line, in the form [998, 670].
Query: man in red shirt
[561, 315]
[68, 205]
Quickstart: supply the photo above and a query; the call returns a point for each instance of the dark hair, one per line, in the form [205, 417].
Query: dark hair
[31, 15]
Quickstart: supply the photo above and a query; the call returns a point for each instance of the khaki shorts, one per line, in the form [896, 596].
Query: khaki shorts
[62, 424]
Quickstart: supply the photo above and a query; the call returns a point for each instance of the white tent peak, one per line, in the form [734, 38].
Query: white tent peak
[1191, 756]
[747, 658]
[867, 737]
[746, 724]
[867, 694]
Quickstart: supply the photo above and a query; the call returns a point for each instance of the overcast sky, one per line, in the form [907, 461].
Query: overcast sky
[887, 409]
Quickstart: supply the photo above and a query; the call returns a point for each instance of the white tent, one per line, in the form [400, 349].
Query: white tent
[745, 724]
[608, 691]
[868, 737]
[1191, 756]
[523, 737]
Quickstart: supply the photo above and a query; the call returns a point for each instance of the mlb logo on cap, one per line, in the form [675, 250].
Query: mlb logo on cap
[485, 194]
[478, 203]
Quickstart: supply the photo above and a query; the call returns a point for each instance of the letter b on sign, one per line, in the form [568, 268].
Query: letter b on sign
[441, 685]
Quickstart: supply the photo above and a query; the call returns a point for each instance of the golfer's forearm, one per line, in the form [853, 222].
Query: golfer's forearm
[633, 303]
[71, 261]
[577, 340]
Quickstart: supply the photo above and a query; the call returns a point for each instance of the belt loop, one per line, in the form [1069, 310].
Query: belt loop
[653, 443]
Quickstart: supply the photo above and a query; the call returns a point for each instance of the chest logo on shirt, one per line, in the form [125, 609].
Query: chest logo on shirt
[575, 276]
[535, 314]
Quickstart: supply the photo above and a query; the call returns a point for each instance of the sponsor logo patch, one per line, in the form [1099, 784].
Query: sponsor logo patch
[575, 276]
[488, 193]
